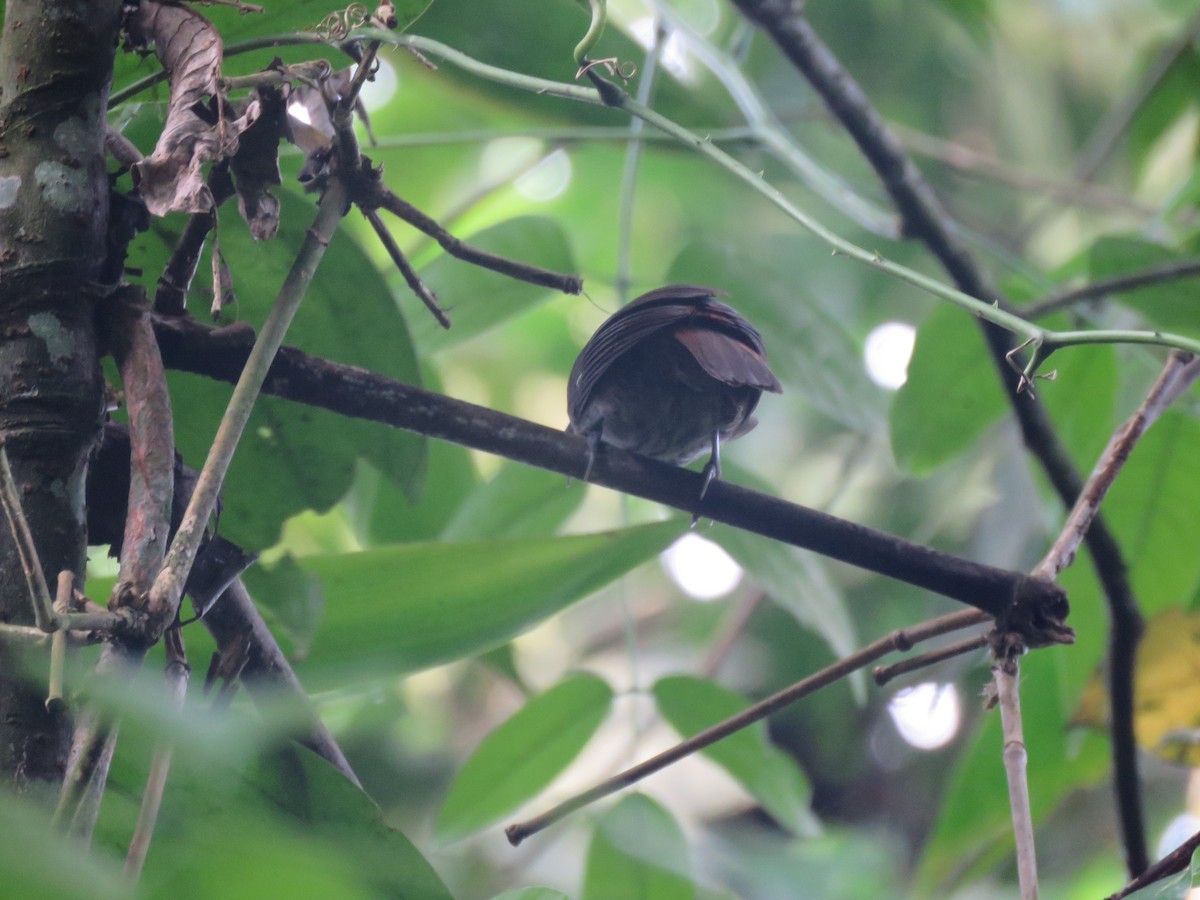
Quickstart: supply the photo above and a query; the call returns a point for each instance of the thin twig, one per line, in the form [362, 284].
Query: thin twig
[168, 586]
[1154, 275]
[92, 747]
[383, 198]
[974, 162]
[731, 630]
[1174, 862]
[176, 677]
[633, 155]
[418, 287]
[883, 674]
[1178, 375]
[902, 639]
[39, 592]
[58, 640]
[1016, 759]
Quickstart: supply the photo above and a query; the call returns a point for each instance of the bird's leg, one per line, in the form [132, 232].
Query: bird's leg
[711, 471]
[593, 441]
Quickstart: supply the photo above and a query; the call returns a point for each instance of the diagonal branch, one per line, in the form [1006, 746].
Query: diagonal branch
[926, 220]
[1034, 607]
[168, 586]
[902, 639]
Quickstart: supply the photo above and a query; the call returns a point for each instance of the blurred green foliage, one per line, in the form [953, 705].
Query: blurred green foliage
[385, 553]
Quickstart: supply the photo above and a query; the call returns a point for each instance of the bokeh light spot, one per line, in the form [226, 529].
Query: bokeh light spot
[927, 716]
[701, 569]
[887, 351]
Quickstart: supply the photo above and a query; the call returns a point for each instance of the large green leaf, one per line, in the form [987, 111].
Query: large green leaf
[770, 775]
[287, 824]
[951, 396]
[411, 606]
[294, 457]
[539, 39]
[519, 501]
[796, 580]
[1154, 508]
[35, 861]
[638, 852]
[1171, 305]
[522, 756]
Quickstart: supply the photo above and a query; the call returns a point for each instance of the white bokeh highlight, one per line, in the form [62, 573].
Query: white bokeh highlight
[547, 180]
[928, 715]
[887, 351]
[700, 568]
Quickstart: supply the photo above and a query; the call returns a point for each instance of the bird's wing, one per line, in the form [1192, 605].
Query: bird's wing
[627, 327]
[728, 359]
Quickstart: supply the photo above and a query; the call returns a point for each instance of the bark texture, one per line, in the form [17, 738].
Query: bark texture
[55, 69]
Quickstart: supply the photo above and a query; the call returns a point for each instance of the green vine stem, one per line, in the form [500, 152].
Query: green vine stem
[168, 586]
[1043, 341]
[595, 29]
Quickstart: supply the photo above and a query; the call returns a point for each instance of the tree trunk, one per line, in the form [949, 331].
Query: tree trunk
[56, 63]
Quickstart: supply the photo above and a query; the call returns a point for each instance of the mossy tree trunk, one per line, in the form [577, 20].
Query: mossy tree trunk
[56, 63]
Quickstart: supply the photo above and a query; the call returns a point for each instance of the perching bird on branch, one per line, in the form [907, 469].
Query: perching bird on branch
[671, 375]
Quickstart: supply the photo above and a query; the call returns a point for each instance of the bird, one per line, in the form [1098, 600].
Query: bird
[671, 375]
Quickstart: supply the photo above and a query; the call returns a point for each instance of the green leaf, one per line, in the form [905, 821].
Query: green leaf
[292, 598]
[37, 862]
[287, 824]
[638, 852]
[411, 606]
[295, 457]
[478, 298]
[1170, 306]
[383, 514]
[770, 775]
[520, 501]
[532, 893]
[1082, 399]
[522, 756]
[952, 393]
[796, 580]
[1154, 509]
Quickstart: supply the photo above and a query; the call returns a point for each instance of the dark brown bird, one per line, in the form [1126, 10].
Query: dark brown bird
[671, 375]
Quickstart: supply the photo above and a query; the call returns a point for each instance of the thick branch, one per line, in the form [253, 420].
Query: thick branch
[152, 441]
[220, 353]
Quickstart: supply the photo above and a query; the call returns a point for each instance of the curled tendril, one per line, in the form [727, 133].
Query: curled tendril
[623, 70]
[339, 23]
